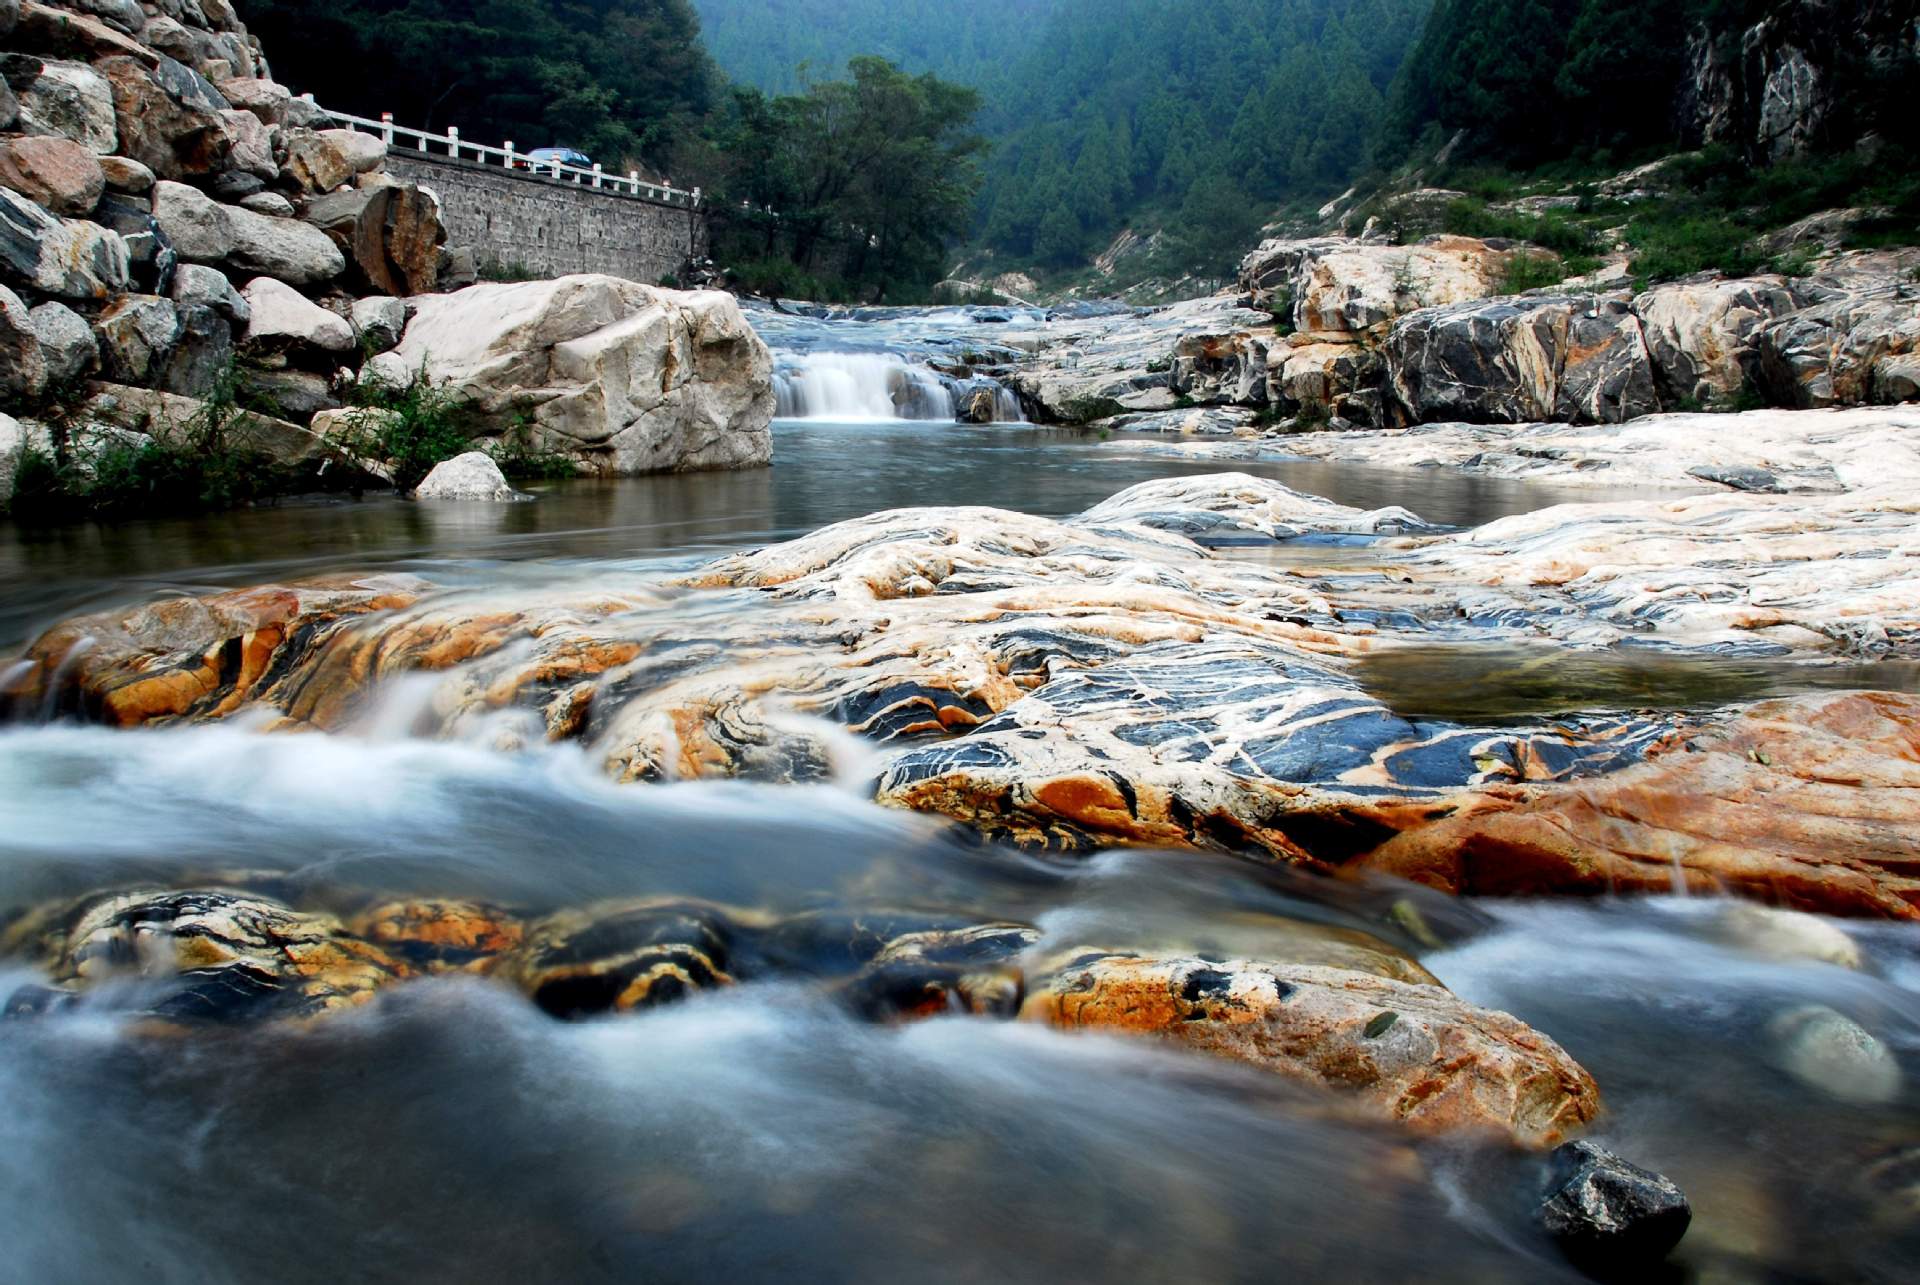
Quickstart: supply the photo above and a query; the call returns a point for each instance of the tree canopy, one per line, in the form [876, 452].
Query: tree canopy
[766, 43]
[867, 178]
[623, 80]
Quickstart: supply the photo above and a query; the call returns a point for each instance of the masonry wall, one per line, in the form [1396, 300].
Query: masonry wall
[550, 228]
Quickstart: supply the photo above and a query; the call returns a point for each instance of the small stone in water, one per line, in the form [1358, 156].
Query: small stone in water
[1608, 1213]
[1831, 1052]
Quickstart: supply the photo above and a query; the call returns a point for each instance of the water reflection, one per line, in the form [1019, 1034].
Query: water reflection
[1494, 682]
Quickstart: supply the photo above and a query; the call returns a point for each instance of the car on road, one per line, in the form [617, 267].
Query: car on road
[543, 158]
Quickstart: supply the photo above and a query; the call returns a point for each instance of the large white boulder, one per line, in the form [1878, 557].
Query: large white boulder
[622, 377]
[283, 318]
[473, 476]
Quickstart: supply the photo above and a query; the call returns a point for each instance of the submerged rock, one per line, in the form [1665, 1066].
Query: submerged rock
[1411, 1053]
[1833, 1054]
[1611, 1215]
[206, 956]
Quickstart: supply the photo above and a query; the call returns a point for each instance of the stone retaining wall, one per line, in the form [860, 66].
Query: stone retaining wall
[551, 228]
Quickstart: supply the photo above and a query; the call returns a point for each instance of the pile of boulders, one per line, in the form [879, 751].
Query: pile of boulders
[168, 212]
[174, 223]
[1382, 335]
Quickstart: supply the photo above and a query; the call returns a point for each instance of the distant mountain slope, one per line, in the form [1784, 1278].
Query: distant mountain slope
[1210, 113]
[764, 42]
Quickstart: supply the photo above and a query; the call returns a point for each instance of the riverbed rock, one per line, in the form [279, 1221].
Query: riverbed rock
[1756, 807]
[71, 100]
[1573, 359]
[212, 957]
[1409, 1053]
[285, 320]
[67, 343]
[202, 353]
[68, 259]
[473, 476]
[1609, 1214]
[1833, 1054]
[624, 378]
[171, 417]
[620, 959]
[1343, 288]
[1831, 352]
[1700, 334]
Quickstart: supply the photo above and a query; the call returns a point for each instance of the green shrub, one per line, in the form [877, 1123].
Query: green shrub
[1524, 272]
[508, 270]
[517, 457]
[209, 462]
[406, 429]
[1667, 248]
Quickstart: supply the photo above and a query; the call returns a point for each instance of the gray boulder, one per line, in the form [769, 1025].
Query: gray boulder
[296, 395]
[1609, 1214]
[137, 334]
[285, 320]
[202, 352]
[66, 341]
[287, 249]
[271, 204]
[313, 162]
[379, 321]
[71, 100]
[473, 476]
[1831, 352]
[199, 227]
[65, 258]
[23, 367]
[1578, 360]
[198, 286]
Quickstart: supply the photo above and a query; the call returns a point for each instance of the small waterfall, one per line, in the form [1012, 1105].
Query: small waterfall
[850, 385]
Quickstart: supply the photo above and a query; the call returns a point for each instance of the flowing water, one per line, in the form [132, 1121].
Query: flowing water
[451, 1130]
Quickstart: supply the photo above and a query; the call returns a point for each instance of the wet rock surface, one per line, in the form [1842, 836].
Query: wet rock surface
[1610, 1214]
[1069, 685]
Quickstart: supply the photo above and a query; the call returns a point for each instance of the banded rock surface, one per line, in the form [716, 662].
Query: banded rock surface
[1405, 1051]
[1107, 680]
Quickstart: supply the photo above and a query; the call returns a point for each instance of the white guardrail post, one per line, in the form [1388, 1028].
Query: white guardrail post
[453, 141]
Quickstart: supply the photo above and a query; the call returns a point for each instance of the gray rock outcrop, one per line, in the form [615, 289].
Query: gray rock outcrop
[473, 476]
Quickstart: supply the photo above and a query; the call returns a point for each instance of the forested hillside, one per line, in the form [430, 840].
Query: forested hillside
[625, 80]
[764, 43]
[1210, 114]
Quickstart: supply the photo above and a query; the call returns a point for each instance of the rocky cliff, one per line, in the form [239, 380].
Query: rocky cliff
[1792, 77]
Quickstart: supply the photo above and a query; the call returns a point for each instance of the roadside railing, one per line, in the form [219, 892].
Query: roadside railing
[451, 145]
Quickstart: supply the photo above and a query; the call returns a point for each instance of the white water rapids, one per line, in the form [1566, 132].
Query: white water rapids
[854, 386]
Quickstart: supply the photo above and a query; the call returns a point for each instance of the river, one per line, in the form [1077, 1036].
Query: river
[454, 1131]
